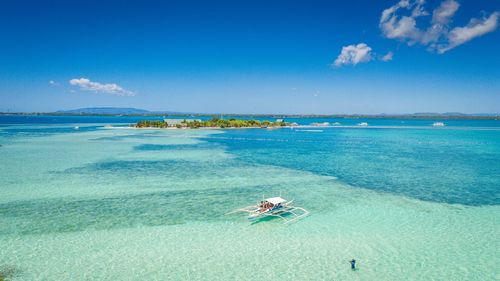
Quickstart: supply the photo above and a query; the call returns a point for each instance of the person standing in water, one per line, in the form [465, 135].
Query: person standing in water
[353, 264]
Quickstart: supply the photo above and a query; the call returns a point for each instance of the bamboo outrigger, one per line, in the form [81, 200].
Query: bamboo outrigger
[273, 207]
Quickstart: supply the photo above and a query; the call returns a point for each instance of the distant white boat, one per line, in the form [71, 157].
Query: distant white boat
[364, 124]
[438, 124]
[324, 124]
[77, 128]
[313, 131]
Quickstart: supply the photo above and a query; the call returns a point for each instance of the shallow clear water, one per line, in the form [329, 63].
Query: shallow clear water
[411, 201]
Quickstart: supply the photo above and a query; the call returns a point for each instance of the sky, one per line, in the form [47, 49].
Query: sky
[295, 57]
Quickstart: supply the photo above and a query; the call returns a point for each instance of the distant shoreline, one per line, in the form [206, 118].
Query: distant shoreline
[311, 116]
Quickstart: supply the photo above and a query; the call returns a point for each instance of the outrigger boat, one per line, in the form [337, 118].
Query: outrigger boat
[273, 207]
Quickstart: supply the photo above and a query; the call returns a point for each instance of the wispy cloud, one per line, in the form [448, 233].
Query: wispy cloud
[353, 54]
[401, 27]
[54, 83]
[111, 88]
[459, 35]
[387, 57]
[400, 22]
[445, 12]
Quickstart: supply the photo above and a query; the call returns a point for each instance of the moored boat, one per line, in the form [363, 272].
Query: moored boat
[273, 207]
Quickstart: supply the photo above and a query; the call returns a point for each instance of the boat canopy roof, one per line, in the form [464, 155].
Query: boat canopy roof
[275, 200]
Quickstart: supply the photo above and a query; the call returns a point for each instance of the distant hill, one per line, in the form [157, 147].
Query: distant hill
[440, 114]
[105, 110]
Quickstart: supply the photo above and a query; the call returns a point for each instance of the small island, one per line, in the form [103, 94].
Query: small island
[215, 122]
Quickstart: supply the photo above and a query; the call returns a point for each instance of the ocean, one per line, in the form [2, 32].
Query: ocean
[82, 201]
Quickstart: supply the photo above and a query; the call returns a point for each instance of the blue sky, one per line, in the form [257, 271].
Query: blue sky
[322, 57]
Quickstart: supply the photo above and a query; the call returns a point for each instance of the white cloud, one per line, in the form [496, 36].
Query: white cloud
[418, 9]
[459, 35]
[402, 27]
[353, 54]
[387, 57]
[439, 36]
[112, 89]
[441, 16]
[54, 83]
[445, 12]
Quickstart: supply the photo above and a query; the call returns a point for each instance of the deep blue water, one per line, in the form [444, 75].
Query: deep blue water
[442, 165]
[50, 120]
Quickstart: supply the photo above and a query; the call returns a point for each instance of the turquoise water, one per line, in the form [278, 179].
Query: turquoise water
[406, 199]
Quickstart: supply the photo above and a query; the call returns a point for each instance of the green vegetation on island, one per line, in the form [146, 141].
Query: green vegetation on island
[151, 124]
[212, 123]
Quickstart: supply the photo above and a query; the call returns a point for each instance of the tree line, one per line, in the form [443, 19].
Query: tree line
[215, 122]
